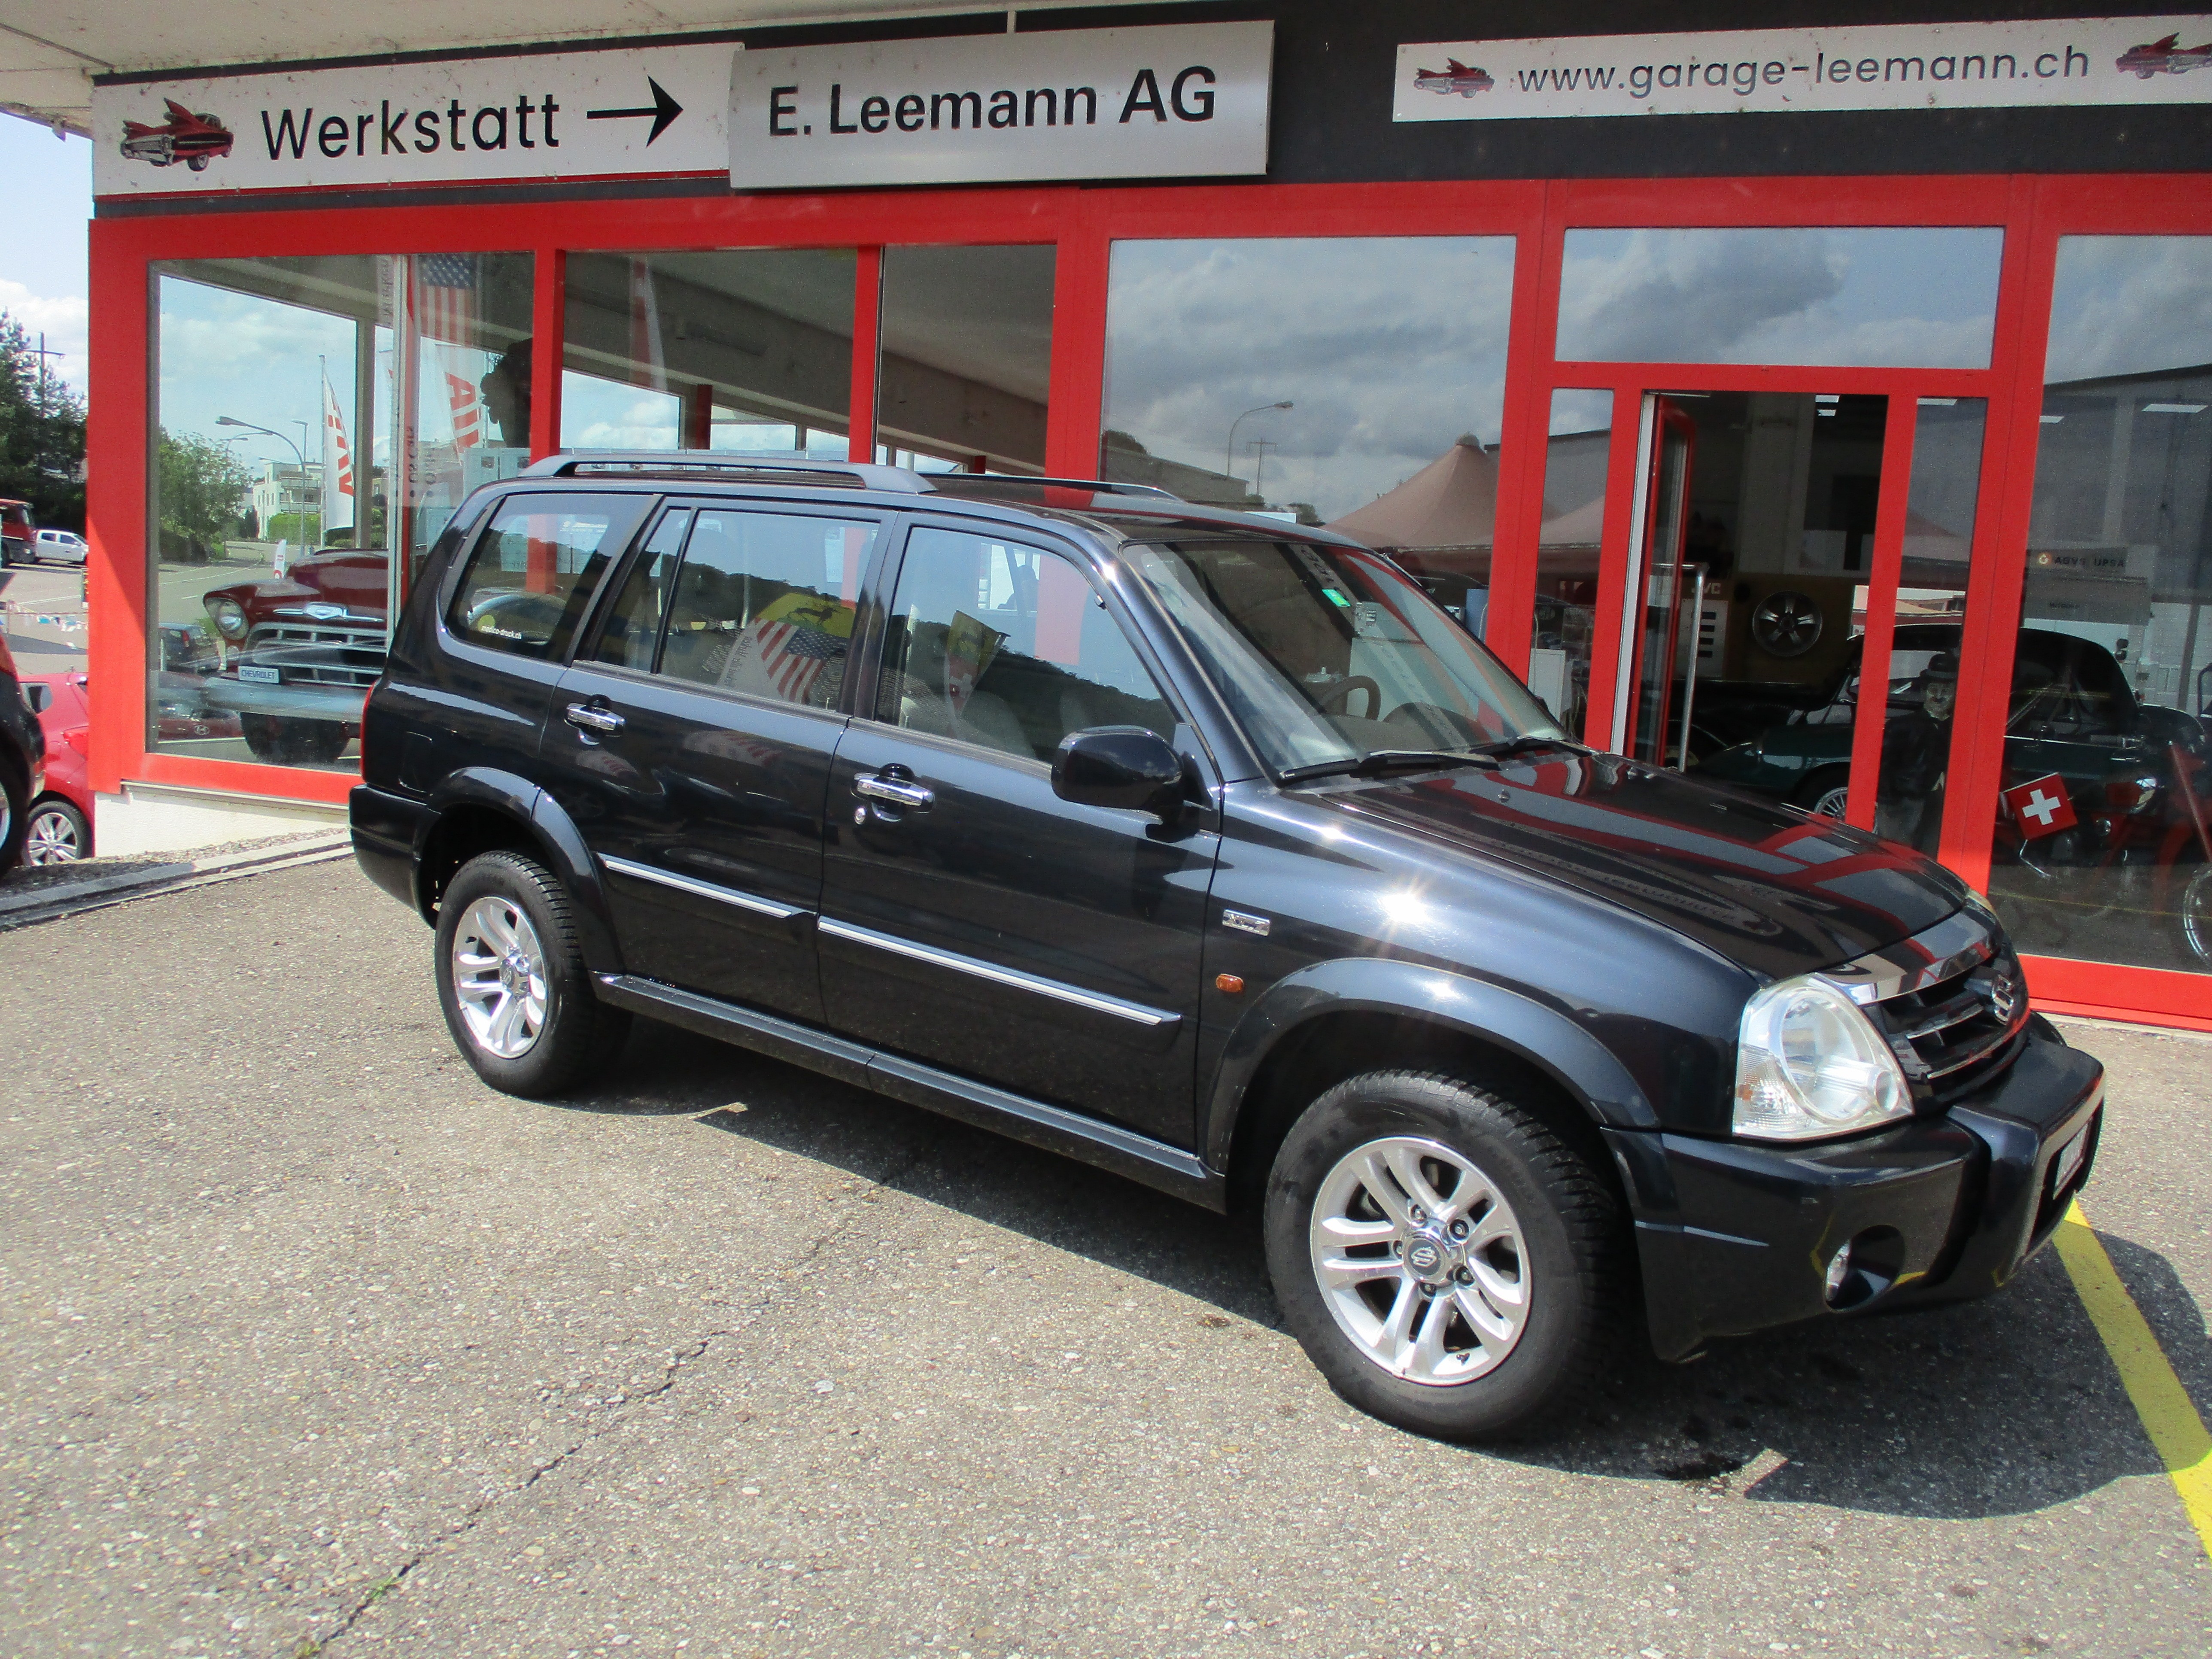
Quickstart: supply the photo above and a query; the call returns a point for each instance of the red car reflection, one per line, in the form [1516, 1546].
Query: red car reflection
[300, 652]
[2164, 57]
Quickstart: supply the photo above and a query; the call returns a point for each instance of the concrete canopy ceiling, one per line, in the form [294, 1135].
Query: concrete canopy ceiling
[50, 49]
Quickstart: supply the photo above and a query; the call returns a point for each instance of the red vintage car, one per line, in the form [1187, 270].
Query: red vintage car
[60, 820]
[18, 544]
[300, 652]
[194, 139]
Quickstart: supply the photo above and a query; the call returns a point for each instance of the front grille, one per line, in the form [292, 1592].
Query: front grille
[1957, 1033]
[319, 653]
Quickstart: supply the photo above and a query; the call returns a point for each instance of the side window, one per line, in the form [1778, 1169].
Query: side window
[632, 629]
[535, 568]
[762, 603]
[1007, 647]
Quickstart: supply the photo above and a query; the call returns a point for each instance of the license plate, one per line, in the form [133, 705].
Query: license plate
[262, 675]
[2063, 1166]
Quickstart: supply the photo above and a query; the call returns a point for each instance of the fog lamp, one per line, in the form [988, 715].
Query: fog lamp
[1840, 1273]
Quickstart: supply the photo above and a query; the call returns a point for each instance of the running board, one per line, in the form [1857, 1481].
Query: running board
[1053, 1129]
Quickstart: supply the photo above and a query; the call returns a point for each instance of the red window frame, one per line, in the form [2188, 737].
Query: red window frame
[2034, 212]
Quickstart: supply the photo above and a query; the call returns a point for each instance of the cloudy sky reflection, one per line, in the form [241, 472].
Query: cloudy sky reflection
[1909, 298]
[1389, 347]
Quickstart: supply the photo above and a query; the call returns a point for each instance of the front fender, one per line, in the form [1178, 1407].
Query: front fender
[538, 816]
[1547, 1038]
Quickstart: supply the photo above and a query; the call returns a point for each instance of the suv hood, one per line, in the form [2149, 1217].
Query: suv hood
[1765, 886]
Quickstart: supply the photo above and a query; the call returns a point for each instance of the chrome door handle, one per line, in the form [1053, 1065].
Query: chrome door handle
[894, 790]
[591, 718]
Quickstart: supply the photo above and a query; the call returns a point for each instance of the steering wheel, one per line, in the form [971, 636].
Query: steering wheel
[1333, 699]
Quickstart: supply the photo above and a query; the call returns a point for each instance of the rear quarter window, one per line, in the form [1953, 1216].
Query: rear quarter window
[532, 573]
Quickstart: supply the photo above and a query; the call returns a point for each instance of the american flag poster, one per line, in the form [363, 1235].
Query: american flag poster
[446, 297]
[784, 652]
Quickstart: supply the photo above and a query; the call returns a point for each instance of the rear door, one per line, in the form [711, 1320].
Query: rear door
[691, 742]
[971, 918]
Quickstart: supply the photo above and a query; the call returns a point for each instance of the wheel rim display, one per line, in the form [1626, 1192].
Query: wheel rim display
[52, 839]
[1834, 804]
[499, 978]
[1421, 1260]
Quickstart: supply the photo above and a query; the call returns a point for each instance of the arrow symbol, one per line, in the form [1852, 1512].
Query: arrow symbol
[663, 110]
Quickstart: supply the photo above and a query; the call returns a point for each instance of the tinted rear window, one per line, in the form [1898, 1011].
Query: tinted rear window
[535, 568]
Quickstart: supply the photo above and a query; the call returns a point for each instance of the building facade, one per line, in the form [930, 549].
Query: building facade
[1826, 411]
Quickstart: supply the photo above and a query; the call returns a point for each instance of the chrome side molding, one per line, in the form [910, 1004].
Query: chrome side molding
[707, 890]
[1096, 1001]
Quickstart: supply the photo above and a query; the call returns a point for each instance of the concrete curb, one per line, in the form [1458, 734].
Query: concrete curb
[73, 898]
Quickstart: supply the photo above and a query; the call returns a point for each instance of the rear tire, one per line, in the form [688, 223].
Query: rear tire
[286, 740]
[512, 982]
[1516, 1246]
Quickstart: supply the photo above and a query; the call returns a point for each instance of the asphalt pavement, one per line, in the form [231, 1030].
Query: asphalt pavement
[309, 1344]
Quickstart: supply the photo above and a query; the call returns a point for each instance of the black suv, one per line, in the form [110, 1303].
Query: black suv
[1209, 849]
[22, 761]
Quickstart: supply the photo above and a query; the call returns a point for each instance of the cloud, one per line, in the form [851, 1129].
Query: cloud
[2130, 305]
[62, 321]
[1894, 297]
[1389, 348]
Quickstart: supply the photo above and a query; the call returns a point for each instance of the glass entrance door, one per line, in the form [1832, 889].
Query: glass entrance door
[1741, 604]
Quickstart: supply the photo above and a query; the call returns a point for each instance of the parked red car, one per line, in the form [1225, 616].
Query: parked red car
[60, 827]
[300, 652]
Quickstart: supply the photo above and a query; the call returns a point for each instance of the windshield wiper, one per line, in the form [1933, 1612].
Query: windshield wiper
[1378, 761]
[1526, 743]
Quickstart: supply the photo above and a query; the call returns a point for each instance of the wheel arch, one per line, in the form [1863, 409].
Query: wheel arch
[1334, 1020]
[480, 810]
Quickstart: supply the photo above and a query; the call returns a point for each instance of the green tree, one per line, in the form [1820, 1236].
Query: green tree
[203, 489]
[41, 434]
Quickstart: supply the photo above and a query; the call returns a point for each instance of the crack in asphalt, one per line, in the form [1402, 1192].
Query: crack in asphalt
[901, 1165]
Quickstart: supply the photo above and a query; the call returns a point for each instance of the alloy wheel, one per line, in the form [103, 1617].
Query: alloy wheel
[1834, 804]
[51, 838]
[1421, 1260]
[2197, 915]
[498, 977]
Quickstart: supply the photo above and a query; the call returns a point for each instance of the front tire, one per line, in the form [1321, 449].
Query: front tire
[58, 834]
[15, 817]
[511, 982]
[1449, 1263]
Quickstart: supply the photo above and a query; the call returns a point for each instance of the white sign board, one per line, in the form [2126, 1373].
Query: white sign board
[2047, 64]
[1184, 100]
[559, 115]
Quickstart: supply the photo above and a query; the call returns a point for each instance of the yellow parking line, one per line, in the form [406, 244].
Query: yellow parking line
[2169, 1414]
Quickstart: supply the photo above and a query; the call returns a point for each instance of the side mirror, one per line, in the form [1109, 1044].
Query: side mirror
[1122, 766]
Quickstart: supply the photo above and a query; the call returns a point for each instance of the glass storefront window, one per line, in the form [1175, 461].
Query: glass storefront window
[965, 368]
[269, 503]
[1576, 456]
[314, 416]
[468, 330]
[1889, 297]
[747, 349]
[1922, 691]
[1353, 382]
[2102, 847]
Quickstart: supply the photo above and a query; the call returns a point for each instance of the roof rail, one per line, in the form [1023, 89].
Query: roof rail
[952, 482]
[779, 467]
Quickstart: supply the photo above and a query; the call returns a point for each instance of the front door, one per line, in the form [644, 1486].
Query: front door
[692, 740]
[971, 918]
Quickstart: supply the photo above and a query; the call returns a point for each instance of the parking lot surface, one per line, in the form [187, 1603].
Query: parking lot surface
[314, 1344]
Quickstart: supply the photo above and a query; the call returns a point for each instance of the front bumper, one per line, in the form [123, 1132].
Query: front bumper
[304, 702]
[1736, 1236]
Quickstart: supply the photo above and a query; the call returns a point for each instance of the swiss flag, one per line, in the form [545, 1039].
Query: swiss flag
[2041, 806]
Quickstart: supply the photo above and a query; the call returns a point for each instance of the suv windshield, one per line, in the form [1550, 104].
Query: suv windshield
[1332, 657]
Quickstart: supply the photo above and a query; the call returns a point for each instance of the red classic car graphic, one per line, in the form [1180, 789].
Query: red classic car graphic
[2164, 57]
[195, 140]
[1455, 77]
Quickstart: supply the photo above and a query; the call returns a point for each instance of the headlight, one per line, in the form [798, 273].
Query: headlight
[1809, 1064]
[229, 616]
